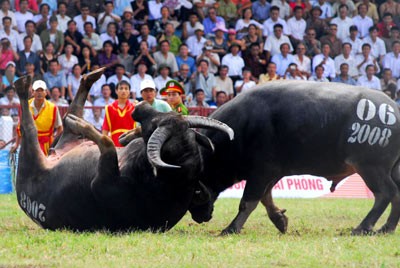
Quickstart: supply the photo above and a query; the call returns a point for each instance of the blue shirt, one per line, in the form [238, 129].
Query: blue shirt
[260, 12]
[349, 81]
[57, 80]
[189, 61]
[209, 25]
[5, 80]
[282, 63]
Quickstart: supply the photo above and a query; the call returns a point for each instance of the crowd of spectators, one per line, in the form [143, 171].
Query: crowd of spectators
[215, 49]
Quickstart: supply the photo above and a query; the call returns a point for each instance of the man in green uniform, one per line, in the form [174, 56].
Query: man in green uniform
[173, 91]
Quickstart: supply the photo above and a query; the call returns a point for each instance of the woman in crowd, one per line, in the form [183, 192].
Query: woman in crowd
[253, 36]
[67, 60]
[220, 46]
[46, 56]
[242, 25]
[73, 81]
[87, 60]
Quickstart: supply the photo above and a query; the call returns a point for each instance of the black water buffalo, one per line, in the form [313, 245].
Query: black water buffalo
[89, 185]
[325, 129]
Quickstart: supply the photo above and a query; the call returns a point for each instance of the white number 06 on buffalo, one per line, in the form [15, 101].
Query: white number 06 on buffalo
[363, 132]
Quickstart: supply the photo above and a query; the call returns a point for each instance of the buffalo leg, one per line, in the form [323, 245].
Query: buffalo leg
[276, 214]
[393, 219]
[30, 148]
[107, 185]
[252, 195]
[384, 189]
[77, 106]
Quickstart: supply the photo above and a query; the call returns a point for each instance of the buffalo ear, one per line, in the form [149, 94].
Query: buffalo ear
[204, 141]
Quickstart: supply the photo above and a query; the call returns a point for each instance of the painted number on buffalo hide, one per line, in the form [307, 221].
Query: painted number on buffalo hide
[364, 132]
[32, 208]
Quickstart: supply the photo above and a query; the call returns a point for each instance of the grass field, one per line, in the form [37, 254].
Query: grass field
[318, 236]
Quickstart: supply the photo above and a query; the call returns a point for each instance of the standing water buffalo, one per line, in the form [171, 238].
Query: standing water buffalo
[324, 129]
[89, 185]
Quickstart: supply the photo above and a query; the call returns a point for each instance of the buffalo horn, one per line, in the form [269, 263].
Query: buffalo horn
[205, 122]
[156, 141]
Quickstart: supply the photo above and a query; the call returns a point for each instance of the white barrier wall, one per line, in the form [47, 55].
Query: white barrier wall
[307, 186]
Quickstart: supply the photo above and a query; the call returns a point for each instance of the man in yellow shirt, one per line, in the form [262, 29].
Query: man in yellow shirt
[46, 116]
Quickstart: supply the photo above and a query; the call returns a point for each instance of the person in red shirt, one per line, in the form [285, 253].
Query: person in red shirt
[118, 118]
[385, 25]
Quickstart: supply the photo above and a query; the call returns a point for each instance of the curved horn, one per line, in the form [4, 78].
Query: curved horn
[205, 122]
[156, 141]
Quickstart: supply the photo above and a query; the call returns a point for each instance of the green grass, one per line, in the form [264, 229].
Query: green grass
[318, 236]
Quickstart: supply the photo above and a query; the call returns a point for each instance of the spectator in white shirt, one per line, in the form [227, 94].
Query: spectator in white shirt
[326, 9]
[392, 60]
[5, 11]
[62, 18]
[318, 75]
[67, 60]
[105, 97]
[9, 33]
[197, 41]
[274, 42]
[346, 57]
[293, 73]
[355, 42]
[136, 79]
[145, 36]
[74, 81]
[111, 34]
[284, 8]
[30, 31]
[283, 59]
[246, 84]
[302, 62]
[369, 80]
[84, 17]
[343, 23]
[326, 61]
[234, 61]
[107, 16]
[297, 26]
[268, 25]
[162, 78]
[362, 21]
[95, 90]
[118, 76]
[365, 59]
[378, 48]
[42, 19]
[23, 15]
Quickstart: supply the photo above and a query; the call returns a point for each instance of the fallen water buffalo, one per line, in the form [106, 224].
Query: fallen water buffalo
[90, 185]
[325, 129]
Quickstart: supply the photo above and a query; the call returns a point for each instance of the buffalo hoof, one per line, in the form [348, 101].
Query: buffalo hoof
[92, 77]
[362, 231]
[229, 231]
[22, 86]
[386, 229]
[280, 221]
